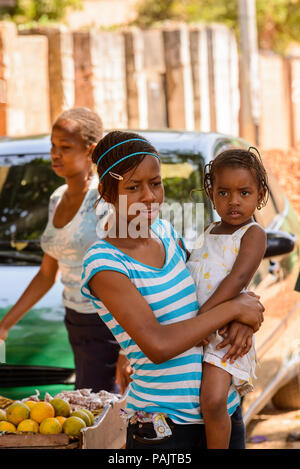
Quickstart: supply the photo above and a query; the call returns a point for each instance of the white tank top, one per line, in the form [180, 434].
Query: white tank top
[68, 244]
[211, 263]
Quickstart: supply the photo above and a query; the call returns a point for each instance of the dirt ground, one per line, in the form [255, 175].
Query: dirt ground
[274, 429]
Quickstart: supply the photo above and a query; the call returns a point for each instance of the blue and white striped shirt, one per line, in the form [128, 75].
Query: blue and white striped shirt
[171, 387]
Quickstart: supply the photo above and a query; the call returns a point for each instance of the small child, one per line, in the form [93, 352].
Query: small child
[236, 182]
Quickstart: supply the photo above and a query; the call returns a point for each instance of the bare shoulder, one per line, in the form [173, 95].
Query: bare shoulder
[255, 234]
[255, 230]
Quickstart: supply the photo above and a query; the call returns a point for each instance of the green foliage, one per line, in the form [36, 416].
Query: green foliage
[28, 11]
[277, 20]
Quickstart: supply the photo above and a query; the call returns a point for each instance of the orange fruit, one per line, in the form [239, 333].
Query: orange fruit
[90, 414]
[61, 419]
[28, 425]
[7, 427]
[50, 426]
[41, 411]
[30, 404]
[61, 407]
[17, 412]
[73, 425]
[2, 415]
[83, 415]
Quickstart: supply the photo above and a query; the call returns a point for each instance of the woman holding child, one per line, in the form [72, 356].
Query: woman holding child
[139, 283]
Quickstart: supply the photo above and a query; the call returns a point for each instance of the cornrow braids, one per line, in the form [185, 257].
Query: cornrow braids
[235, 158]
[89, 122]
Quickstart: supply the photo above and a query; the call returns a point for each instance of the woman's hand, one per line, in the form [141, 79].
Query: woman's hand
[123, 372]
[239, 336]
[249, 310]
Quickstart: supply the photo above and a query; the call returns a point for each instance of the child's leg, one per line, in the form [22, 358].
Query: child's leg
[213, 403]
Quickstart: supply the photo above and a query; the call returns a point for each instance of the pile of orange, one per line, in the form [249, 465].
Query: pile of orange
[44, 417]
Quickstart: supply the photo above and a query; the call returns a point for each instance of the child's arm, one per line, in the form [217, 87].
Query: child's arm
[251, 253]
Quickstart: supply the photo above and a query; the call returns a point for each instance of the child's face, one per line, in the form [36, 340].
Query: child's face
[235, 194]
[143, 185]
[69, 153]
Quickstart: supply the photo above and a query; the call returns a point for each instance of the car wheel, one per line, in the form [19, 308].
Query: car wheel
[288, 397]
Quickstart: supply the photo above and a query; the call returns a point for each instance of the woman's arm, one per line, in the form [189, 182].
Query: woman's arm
[251, 253]
[37, 288]
[162, 342]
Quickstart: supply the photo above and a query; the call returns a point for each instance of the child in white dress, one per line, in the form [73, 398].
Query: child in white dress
[222, 267]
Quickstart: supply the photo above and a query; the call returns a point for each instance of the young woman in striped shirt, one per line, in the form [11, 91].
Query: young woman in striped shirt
[137, 278]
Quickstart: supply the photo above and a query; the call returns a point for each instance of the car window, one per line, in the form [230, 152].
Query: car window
[186, 205]
[24, 196]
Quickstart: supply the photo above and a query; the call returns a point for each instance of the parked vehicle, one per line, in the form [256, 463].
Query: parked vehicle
[38, 355]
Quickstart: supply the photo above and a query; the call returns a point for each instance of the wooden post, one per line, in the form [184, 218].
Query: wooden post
[179, 78]
[249, 75]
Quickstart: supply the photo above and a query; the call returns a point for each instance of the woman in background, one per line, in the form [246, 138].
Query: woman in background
[70, 230]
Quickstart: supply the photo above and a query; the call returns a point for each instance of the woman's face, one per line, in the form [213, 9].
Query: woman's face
[69, 154]
[141, 192]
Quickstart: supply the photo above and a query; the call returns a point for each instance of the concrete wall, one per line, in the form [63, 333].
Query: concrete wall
[61, 74]
[170, 77]
[275, 121]
[24, 85]
[100, 75]
[215, 71]
[204, 112]
[179, 85]
[145, 79]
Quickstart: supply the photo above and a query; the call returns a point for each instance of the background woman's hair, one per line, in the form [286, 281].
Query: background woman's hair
[89, 122]
[110, 184]
[237, 158]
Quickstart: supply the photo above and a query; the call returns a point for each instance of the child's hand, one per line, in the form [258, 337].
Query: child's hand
[239, 336]
[223, 331]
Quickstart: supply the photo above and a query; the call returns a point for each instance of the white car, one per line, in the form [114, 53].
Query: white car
[38, 355]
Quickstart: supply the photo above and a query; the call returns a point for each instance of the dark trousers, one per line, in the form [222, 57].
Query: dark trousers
[183, 436]
[95, 351]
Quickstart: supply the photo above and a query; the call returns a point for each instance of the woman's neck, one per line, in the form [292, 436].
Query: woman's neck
[78, 184]
[114, 237]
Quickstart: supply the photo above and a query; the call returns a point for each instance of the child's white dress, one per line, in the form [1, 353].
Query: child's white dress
[209, 265]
